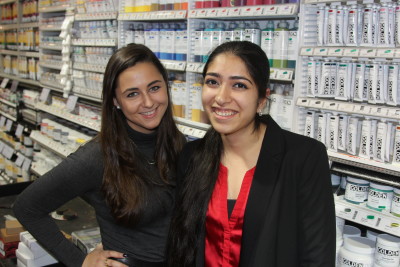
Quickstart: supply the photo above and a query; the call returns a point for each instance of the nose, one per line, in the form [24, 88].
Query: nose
[223, 95]
[147, 100]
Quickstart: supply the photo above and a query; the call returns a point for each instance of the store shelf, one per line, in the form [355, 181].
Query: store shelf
[383, 221]
[89, 67]
[246, 12]
[362, 109]
[50, 27]
[28, 25]
[94, 125]
[191, 128]
[4, 2]
[50, 144]
[52, 86]
[22, 80]
[5, 27]
[155, 15]
[51, 65]
[8, 103]
[95, 42]
[351, 52]
[9, 52]
[88, 96]
[48, 9]
[51, 46]
[8, 116]
[196, 67]
[96, 16]
[28, 54]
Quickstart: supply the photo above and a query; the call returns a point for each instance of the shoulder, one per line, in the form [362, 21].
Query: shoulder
[89, 152]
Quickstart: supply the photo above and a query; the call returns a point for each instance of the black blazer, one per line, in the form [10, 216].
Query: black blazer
[290, 215]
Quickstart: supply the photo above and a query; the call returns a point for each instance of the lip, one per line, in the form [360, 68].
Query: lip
[223, 113]
[153, 113]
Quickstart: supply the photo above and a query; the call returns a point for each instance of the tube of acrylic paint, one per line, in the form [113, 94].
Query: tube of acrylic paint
[339, 32]
[309, 129]
[322, 15]
[397, 25]
[344, 77]
[352, 30]
[181, 42]
[325, 84]
[280, 45]
[165, 41]
[392, 26]
[342, 132]
[267, 37]
[321, 127]
[253, 33]
[332, 137]
[365, 139]
[310, 78]
[139, 34]
[366, 35]
[381, 84]
[293, 45]
[359, 82]
[130, 34]
[227, 35]
[353, 135]
[276, 103]
[331, 28]
[393, 84]
[239, 31]
[396, 146]
[198, 42]
[380, 144]
[216, 37]
[383, 26]
[373, 82]
[287, 108]
[207, 41]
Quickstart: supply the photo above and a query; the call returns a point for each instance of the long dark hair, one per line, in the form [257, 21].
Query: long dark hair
[124, 183]
[197, 186]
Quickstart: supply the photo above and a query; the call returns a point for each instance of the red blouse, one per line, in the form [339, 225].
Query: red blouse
[223, 234]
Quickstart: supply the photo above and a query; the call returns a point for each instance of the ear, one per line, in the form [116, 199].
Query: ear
[263, 101]
[116, 103]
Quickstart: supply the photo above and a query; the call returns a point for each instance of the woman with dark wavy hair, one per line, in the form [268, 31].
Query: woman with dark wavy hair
[250, 194]
[127, 172]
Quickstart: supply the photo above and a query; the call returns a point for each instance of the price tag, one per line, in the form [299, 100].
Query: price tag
[330, 105]
[4, 82]
[180, 14]
[273, 73]
[346, 107]
[258, 11]
[378, 111]
[20, 159]
[367, 52]
[334, 51]
[394, 113]
[285, 10]
[396, 53]
[191, 67]
[2, 121]
[9, 125]
[14, 86]
[303, 102]
[212, 13]
[387, 53]
[192, 14]
[44, 94]
[19, 130]
[202, 13]
[27, 164]
[71, 102]
[247, 11]
[270, 10]
[200, 68]
[223, 12]
[321, 51]
[351, 52]
[316, 103]
[285, 75]
[361, 109]
[234, 12]
[307, 51]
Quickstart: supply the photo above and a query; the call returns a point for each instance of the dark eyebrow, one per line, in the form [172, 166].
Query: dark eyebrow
[231, 77]
[135, 88]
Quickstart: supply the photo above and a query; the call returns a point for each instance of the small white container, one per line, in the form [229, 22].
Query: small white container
[387, 251]
[372, 235]
[357, 251]
[356, 190]
[379, 197]
[395, 207]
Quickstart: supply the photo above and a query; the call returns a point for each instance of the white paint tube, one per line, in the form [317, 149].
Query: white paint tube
[321, 128]
[375, 22]
[366, 35]
[389, 141]
[397, 25]
[366, 82]
[393, 96]
[324, 86]
[372, 137]
[381, 84]
[331, 27]
[380, 144]
[321, 25]
[365, 139]
[309, 129]
[352, 27]
[383, 26]
[333, 79]
[396, 146]
[339, 26]
[332, 137]
[372, 83]
[310, 78]
[342, 132]
[353, 135]
[344, 77]
[359, 82]
[392, 26]
[317, 77]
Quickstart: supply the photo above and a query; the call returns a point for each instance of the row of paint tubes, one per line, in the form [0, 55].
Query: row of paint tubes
[359, 25]
[374, 83]
[23, 67]
[367, 138]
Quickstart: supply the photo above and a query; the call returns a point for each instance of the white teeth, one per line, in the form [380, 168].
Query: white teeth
[224, 113]
[149, 113]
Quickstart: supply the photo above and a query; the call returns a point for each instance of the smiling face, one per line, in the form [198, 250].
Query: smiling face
[141, 93]
[230, 95]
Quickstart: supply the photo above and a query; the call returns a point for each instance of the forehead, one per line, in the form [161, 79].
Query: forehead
[228, 63]
[142, 72]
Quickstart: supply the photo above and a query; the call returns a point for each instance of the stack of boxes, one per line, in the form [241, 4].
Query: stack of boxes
[9, 238]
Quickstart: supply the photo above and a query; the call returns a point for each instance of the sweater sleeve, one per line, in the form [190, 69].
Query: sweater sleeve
[77, 174]
[316, 210]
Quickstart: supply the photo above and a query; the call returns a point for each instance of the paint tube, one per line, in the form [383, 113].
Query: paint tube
[332, 138]
[344, 77]
[353, 136]
[342, 132]
[380, 144]
[359, 82]
[389, 141]
[366, 82]
[393, 96]
[309, 129]
[322, 17]
[396, 146]
[366, 36]
[352, 27]
[339, 26]
[381, 84]
[383, 26]
[375, 22]
[372, 83]
[397, 25]
[310, 78]
[365, 139]
[321, 127]
[372, 137]
[392, 26]
[331, 27]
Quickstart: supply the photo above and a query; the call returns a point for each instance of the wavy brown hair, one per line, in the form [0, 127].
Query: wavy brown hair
[126, 182]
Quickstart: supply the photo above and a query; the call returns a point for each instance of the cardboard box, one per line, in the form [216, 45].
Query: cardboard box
[13, 227]
[30, 242]
[9, 245]
[30, 262]
[8, 238]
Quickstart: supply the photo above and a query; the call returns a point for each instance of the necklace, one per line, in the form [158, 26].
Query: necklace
[151, 162]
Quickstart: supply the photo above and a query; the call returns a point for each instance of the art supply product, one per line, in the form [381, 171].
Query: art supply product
[359, 80]
[322, 17]
[367, 26]
[395, 206]
[280, 45]
[327, 86]
[352, 35]
[387, 251]
[393, 85]
[253, 33]
[321, 127]
[356, 251]
[353, 135]
[379, 197]
[198, 42]
[239, 31]
[293, 45]
[232, 3]
[332, 136]
[331, 27]
[396, 146]
[356, 190]
[351, 231]
[276, 102]
[344, 81]
[181, 45]
[383, 26]
[342, 132]
[227, 35]
[309, 128]
[339, 30]
[211, 3]
[267, 40]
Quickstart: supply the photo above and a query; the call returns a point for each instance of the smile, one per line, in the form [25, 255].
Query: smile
[224, 112]
[149, 114]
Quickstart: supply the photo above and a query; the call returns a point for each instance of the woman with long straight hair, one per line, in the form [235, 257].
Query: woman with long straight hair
[250, 194]
[127, 172]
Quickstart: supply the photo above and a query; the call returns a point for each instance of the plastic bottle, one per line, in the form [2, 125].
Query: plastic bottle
[155, 5]
[139, 34]
[293, 45]
[211, 3]
[164, 40]
[276, 102]
[254, 2]
[227, 35]
[130, 34]
[281, 45]
[233, 3]
[207, 41]
[198, 42]
[181, 42]
[267, 38]
[253, 33]
[199, 4]
[217, 36]
[163, 5]
[239, 31]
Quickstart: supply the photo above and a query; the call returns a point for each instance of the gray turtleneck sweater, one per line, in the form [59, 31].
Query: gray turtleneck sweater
[81, 175]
